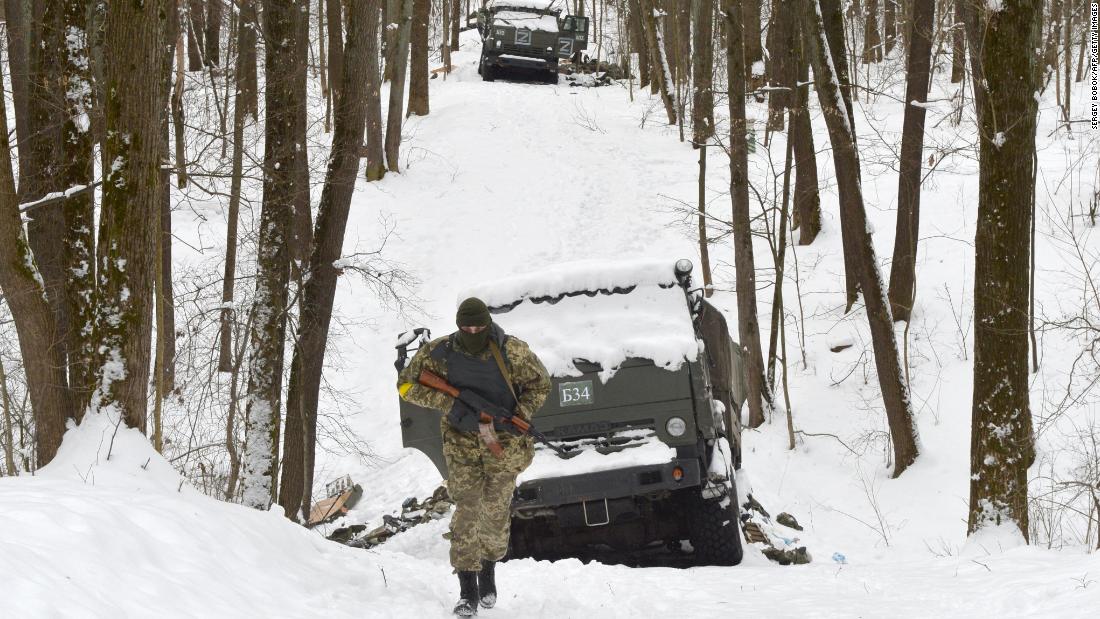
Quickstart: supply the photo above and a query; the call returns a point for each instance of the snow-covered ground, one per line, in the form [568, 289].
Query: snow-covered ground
[508, 177]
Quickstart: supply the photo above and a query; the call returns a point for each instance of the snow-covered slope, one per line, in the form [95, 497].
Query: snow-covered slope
[508, 177]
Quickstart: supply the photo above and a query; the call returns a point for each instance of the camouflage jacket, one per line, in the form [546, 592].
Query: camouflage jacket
[529, 377]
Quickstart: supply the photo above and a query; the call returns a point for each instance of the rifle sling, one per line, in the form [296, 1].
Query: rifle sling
[493, 348]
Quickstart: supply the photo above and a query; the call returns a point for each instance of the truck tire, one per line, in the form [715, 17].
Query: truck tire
[715, 531]
[551, 77]
[488, 72]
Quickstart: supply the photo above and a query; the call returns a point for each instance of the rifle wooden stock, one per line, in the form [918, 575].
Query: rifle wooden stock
[434, 381]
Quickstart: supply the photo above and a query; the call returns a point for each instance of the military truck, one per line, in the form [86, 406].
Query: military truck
[529, 35]
[650, 454]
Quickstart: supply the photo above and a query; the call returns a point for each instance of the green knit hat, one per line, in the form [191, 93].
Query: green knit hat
[473, 313]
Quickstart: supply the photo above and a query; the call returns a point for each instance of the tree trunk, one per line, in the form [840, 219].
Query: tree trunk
[833, 21]
[457, 20]
[660, 74]
[320, 289]
[26, 298]
[399, 61]
[903, 268]
[890, 24]
[638, 42]
[335, 47]
[17, 25]
[703, 72]
[76, 170]
[418, 71]
[807, 200]
[872, 40]
[195, 18]
[127, 233]
[246, 63]
[282, 29]
[213, 37]
[748, 329]
[754, 51]
[302, 231]
[46, 106]
[1002, 443]
[5, 405]
[895, 394]
[958, 44]
[376, 167]
[781, 42]
[240, 114]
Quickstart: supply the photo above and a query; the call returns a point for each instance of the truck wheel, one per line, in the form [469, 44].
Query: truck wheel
[715, 531]
[488, 73]
[552, 77]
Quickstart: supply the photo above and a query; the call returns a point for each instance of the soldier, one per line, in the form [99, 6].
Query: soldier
[499, 370]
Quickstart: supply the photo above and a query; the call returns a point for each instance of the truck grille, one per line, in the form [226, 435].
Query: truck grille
[606, 443]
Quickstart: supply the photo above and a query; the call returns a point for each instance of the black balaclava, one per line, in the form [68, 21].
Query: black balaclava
[473, 313]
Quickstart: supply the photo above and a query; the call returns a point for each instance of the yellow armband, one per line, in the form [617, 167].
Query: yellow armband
[404, 389]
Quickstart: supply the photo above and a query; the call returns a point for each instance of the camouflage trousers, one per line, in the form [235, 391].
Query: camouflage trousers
[481, 487]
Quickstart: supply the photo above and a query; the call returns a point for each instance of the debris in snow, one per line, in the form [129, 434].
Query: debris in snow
[788, 520]
[413, 512]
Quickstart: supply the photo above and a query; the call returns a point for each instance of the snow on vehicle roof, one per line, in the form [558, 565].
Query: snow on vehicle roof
[599, 312]
[542, 5]
[526, 19]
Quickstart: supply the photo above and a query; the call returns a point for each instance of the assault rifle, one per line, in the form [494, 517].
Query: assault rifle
[486, 417]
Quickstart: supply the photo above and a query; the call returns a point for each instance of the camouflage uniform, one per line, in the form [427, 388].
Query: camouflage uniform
[480, 484]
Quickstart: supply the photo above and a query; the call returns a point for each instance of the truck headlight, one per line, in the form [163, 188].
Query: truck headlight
[676, 426]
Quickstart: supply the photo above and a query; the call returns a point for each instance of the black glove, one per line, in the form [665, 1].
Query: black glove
[501, 417]
[462, 417]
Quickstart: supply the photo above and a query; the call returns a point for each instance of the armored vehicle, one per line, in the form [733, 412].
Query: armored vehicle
[643, 370]
[528, 34]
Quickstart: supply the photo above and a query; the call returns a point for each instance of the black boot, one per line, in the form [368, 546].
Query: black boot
[467, 598]
[487, 585]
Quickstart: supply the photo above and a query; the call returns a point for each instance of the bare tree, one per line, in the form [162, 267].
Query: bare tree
[127, 234]
[400, 62]
[376, 167]
[660, 76]
[754, 51]
[418, 58]
[17, 25]
[703, 71]
[958, 43]
[194, 17]
[872, 40]
[213, 36]
[25, 294]
[895, 393]
[246, 64]
[807, 200]
[747, 321]
[1002, 445]
[282, 29]
[334, 10]
[903, 268]
[295, 491]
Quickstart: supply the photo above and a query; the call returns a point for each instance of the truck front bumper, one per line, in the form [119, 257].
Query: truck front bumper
[513, 61]
[539, 494]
